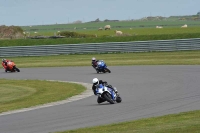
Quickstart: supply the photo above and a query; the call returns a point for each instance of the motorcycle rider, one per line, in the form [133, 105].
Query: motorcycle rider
[94, 63]
[4, 64]
[95, 85]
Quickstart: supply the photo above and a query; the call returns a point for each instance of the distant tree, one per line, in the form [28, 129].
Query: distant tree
[198, 13]
[97, 20]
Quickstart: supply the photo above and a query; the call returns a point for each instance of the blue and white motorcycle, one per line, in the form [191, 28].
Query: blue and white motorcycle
[102, 67]
[107, 94]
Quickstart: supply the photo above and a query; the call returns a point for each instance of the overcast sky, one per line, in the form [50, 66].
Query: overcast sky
[37, 12]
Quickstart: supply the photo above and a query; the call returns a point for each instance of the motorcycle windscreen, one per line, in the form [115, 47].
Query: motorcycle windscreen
[101, 64]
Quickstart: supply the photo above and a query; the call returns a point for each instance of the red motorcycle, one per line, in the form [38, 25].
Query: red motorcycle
[10, 67]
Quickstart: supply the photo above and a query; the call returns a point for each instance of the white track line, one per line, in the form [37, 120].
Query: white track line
[85, 94]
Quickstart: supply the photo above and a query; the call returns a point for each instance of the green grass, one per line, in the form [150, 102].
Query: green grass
[95, 25]
[187, 122]
[128, 31]
[17, 94]
[142, 34]
[145, 31]
[117, 59]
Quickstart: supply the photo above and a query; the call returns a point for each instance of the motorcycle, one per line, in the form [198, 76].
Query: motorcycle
[11, 67]
[102, 67]
[107, 94]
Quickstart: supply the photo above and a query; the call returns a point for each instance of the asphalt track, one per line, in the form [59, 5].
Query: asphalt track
[147, 91]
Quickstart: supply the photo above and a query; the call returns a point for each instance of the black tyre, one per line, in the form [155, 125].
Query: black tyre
[108, 70]
[16, 69]
[118, 99]
[108, 98]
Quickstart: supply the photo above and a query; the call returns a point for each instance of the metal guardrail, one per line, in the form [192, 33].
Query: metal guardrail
[136, 46]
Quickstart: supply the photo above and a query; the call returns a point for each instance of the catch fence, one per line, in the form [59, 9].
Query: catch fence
[112, 47]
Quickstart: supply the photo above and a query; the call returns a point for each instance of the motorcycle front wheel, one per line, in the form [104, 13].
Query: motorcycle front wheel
[108, 98]
[16, 69]
[108, 70]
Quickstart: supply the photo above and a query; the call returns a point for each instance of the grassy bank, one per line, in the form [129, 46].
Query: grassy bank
[146, 58]
[188, 122]
[17, 94]
[144, 34]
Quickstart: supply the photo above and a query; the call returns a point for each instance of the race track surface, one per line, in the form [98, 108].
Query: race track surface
[146, 91]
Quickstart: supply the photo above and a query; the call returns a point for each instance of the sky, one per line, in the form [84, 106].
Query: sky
[40, 12]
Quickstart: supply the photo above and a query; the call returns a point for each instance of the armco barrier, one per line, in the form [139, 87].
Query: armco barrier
[136, 46]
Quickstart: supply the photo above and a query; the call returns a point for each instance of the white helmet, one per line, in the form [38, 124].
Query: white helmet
[93, 59]
[3, 59]
[95, 81]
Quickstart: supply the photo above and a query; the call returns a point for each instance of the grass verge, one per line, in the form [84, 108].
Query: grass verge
[187, 122]
[115, 59]
[17, 94]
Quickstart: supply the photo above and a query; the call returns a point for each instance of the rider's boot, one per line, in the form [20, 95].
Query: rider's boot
[100, 100]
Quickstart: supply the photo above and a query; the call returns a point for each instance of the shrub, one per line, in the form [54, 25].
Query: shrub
[11, 32]
[75, 34]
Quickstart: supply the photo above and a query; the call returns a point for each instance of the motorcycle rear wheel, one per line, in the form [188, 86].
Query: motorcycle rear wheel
[118, 99]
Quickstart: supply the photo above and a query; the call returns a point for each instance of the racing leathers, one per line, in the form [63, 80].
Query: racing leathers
[94, 64]
[4, 64]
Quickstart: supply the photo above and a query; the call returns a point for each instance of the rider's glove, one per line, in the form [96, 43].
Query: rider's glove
[105, 83]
